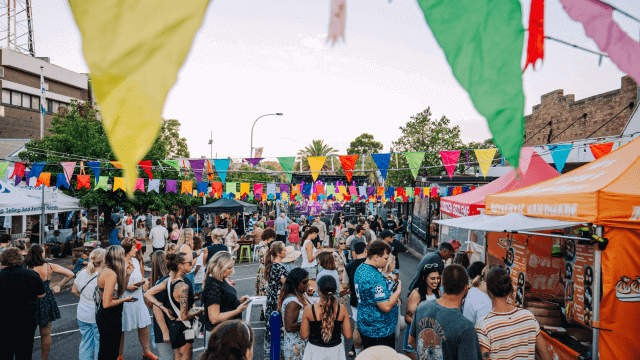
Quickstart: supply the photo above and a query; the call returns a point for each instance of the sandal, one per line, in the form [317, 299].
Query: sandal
[351, 353]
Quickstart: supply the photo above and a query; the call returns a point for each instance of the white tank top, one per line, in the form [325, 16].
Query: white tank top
[305, 257]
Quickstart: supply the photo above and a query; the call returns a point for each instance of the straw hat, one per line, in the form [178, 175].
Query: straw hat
[292, 254]
[381, 353]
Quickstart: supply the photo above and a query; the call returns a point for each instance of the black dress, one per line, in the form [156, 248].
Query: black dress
[109, 321]
[177, 327]
[277, 272]
[221, 293]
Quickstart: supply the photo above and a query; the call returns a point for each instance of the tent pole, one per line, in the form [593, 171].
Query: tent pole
[42, 216]
[597, 282]
[97, 226]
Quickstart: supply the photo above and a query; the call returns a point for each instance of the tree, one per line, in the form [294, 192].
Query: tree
[77, 135]
[422, 133]
[316, 148]
[363, 145]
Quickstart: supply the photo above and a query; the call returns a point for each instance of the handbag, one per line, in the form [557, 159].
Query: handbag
[193, 328]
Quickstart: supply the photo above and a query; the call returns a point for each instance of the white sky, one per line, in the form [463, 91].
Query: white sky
[253, 57]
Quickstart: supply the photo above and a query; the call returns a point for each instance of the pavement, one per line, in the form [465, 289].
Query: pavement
[65, 337]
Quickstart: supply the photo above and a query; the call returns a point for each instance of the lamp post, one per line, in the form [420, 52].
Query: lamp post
[254, 124]
[211, 143]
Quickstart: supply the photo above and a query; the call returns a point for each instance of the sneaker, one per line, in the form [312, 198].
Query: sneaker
[201, 336]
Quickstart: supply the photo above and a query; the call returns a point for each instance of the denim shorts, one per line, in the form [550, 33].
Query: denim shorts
[313, 271]
[405, 345]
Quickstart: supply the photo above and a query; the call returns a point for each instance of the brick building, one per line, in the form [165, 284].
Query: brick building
[561, 110]
[20, 84]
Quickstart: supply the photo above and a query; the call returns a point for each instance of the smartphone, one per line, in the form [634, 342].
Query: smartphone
[134, 299]
[394, 287]
[249, 300]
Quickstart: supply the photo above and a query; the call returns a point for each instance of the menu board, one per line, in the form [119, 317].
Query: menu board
[545, 264]
[578, 278]
[510, 252]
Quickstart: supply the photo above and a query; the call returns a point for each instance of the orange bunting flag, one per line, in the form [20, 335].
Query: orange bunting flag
[83, 181]
[600, 150]
[44, 178]
[348, 163]
[187, 187]
[116, 164]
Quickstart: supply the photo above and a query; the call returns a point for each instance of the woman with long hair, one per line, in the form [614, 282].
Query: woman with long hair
[231, 239]
[180, 297]
[135, 315]
[275, 274]
[477, 303]
[426, 288]
[159, 273]
[185, 245]
[268, 235]
[293, 298]
[294, 233]
[230, 340]
[112, 283]
[329, 267]
[47, 307]
[175, 233]
[310, 252]
[219, 298]
[462, 258]
[198, 268]
[83, 287]
[323, 324]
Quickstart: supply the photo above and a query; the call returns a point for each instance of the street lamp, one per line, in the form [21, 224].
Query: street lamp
[254, 124]
[211, 143]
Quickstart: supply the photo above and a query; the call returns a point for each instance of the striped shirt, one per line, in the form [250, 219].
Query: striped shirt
[509, 336]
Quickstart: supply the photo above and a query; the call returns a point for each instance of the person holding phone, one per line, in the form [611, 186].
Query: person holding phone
[135, 315]
[112, 283]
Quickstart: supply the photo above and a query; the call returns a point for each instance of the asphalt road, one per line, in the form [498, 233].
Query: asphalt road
[65, 337]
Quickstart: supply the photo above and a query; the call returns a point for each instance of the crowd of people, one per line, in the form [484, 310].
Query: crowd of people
[454, 309]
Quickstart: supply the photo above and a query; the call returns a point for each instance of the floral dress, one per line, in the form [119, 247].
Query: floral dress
[341, 264]
[261, 284]
[278, 272]
[292, 345]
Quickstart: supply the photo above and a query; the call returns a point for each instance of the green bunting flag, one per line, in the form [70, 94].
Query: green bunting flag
[3, 169]
[287, 165]
[173, 163]
[415, 160]
[483, 41]
[102, 183]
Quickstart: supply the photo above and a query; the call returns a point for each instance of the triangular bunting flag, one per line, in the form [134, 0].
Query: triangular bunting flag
[187, 187]
[116, 164]
[83, 181]
[348, 163]
[315, 164]
[36, 169]
[525, 158]
[139, 184]
[146, 166]
[485, 157]
[210, 172]
[415, 160]
[450, 160]
[171, 186]
[560, 153]
[44, 178]
[287, 165]
[18, 170]
[3, 169]
[253, 161]
[102, 183]
[222, 165]
[382, 162]
[197, 166]
[68, 167]
[118, 183]
[600, 150]
[173, 163]
[95, 166]
[154, 185]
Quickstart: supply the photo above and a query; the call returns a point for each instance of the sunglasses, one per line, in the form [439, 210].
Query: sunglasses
[304, 282]
[341, 243]
[429, 266]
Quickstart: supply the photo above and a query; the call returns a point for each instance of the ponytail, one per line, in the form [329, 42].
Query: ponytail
[327, 287]
[96, 257]
[275, 248]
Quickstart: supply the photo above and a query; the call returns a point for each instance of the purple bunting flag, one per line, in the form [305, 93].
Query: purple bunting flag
[197, 166]
[253, 161]
[172, 186]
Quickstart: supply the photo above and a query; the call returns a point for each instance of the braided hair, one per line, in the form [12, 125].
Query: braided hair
[327, 287]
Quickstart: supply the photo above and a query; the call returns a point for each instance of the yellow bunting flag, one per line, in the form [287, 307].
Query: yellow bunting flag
[134, 49]
[485, 156]
[187, 187]
[118, 183]
[316, 163]
[244, 189]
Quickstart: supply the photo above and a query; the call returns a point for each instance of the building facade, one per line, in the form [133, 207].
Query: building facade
[556, 112]
[20, 84]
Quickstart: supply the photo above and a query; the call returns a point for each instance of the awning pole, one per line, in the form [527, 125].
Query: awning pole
[597, 282]
[97, 226]
[547, 235]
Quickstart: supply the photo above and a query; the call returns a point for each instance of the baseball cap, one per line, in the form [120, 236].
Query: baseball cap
[387, 233]
[371, 217]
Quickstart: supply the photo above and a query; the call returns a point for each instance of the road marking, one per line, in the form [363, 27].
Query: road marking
[253, 277]
[67, 305]
[60, 333]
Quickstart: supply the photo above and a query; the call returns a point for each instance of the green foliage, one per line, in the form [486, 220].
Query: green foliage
[78, 135]
[423, 133]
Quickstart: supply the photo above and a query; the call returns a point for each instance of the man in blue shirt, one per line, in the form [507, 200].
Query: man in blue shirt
[55, 245]
[281, 228]
[377, 306]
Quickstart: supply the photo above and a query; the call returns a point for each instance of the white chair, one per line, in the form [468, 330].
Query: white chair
[256, 257]
[257, 301]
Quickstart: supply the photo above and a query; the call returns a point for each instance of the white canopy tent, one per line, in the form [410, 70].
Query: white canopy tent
[16, 201]
[506, 223]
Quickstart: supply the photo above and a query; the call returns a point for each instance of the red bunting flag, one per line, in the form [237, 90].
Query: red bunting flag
[146, 166]
[535, 45]
[600, 150]
[18, 170]
[348, 163]
[450, 160]
[83, 181]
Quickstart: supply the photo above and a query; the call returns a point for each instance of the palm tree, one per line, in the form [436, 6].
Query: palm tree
[316, 148]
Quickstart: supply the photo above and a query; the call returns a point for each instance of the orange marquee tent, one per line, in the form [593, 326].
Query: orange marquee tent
[605, 192]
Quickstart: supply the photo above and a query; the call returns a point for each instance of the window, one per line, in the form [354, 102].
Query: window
[35, 103]
[55, 106]
[26, 100]
[50, 106]
[6, 96]
[16, 98]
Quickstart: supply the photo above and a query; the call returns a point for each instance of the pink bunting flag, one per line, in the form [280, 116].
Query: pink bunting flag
[67, 168]
[597, 19]
[139, 185]
[450, 160]
[525, 158]
[338, 20]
